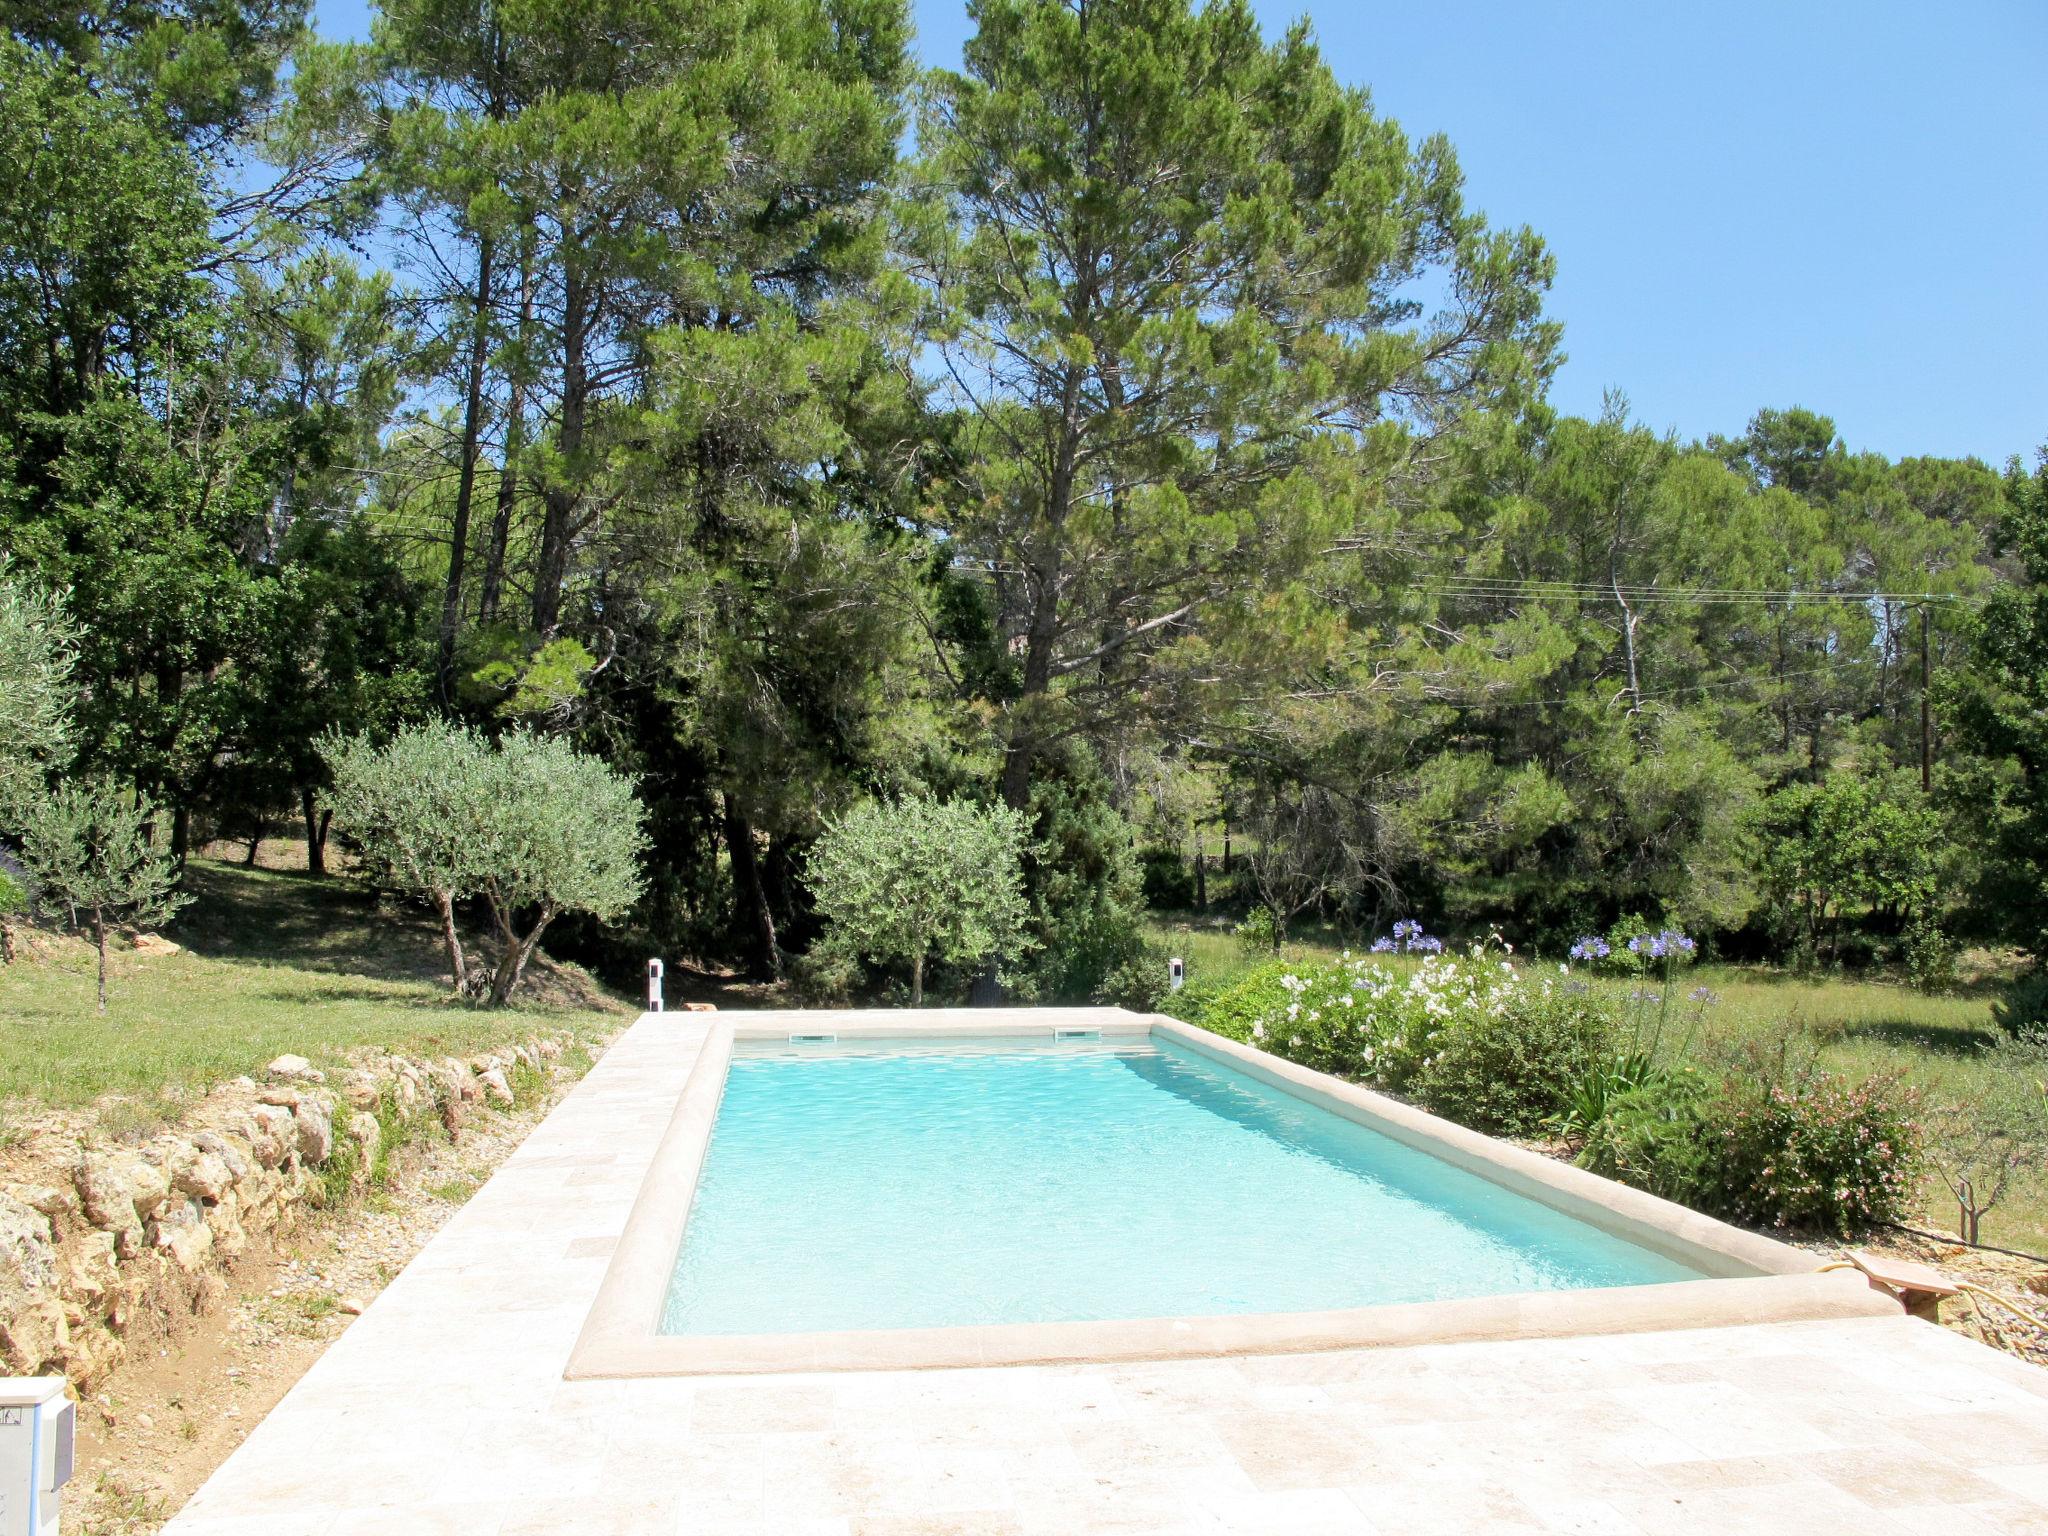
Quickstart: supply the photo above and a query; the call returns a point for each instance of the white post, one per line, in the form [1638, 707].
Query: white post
[36, 1427]
[1176, 973]
[654, 986]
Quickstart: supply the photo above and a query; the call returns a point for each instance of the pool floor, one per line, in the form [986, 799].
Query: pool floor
[893, 1185]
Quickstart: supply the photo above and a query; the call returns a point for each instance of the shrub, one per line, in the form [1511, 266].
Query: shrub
[2023, 1011]
[1814, 1150]
[1138, 979]
[1509, 1072]
[1258, 934]
[1930, 954]
[1647, 1133]
[1237, 1008]
[1169, 879]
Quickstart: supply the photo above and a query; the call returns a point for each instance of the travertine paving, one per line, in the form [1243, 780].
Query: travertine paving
[443, 1410]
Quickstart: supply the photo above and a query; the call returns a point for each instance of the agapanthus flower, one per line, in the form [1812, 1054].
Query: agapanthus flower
[1592, 947]
[1408, 928]
[1703, 995]
[1383, 946]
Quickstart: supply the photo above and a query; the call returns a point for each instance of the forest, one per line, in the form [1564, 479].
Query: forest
[1135, 432]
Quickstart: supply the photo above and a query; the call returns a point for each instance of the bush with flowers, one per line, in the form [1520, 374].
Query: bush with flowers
[1470, 1034]
[1517, 1050]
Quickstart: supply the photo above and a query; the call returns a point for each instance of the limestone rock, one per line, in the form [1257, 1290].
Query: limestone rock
[496, 1088]
[53, 1200]
[182, 1233]
[236, 1157]
[203, 1175]
[88, 1271]
[368, 1133]
[292, 1069]
[275, 1135]
[119, 1191]
[361, 1089]
[316, 1130]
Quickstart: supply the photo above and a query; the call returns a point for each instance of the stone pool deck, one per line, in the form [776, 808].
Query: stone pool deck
[443, 1412]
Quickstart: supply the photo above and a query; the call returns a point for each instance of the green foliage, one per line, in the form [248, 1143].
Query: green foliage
[1766, 1140]
[921, 880]
[1234, 1010]
[1930, 953]
[1086, 890]
[2023, 1011]
[1511, 1073]
[531, 825]
[1811, 1150]
[1997, 710]
[35, 682]
[1842, 846]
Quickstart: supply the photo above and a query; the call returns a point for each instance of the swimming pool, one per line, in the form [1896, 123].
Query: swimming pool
[871, 1190]
[899, 1184]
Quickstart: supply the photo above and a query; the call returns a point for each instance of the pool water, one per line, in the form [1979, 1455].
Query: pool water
[893, 1185]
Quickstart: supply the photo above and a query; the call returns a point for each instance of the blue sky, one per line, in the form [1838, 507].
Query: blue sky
[1841, 204]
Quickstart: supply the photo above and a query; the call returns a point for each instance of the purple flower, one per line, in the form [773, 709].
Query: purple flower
[1703, 995]
[1635, 945]
[1591, 947]
[1408, 928]
[1426, 946]
[1383, 946]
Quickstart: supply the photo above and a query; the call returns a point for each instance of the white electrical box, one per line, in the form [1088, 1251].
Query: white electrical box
[654, 986]
[1176, 973]
[37, 1428]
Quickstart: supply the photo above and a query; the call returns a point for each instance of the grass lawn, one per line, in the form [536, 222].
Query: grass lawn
[1858, 1027]
[272, 962]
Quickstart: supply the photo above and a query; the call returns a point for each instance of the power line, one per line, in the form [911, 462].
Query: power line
[1487, 587]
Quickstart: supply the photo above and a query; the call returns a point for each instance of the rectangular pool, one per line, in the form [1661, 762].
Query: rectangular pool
[905, 1185]
[954, 1187]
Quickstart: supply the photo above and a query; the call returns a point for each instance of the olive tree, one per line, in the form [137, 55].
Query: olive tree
[530, 825]
[922, 879]
[1996, 1143]
[101, 847]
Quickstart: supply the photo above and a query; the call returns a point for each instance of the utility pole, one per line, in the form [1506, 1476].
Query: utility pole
[1926, 709]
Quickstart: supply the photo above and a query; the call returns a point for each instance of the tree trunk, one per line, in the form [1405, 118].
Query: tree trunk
[458, 967]
[181, 833]
[1201, 871]
[512, 964]
[6, 940]
[316, 832]
[749, 891]
[560, 501]
[465, 477]
[917, 980]
[99, 943]
[508, 471]
[255, 842]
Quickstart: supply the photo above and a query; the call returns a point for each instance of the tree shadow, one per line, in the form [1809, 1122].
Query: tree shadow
[1937, 1039]
[330, 923]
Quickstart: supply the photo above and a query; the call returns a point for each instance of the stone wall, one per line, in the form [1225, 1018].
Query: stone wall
[120, 1243]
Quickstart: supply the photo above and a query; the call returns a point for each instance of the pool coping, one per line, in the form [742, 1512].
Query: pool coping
[1752, 1278]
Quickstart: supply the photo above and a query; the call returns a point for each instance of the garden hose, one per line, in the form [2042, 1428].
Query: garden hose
[1967, 1287]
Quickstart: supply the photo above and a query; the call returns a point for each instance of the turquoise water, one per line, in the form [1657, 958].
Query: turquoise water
[897, 1186]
